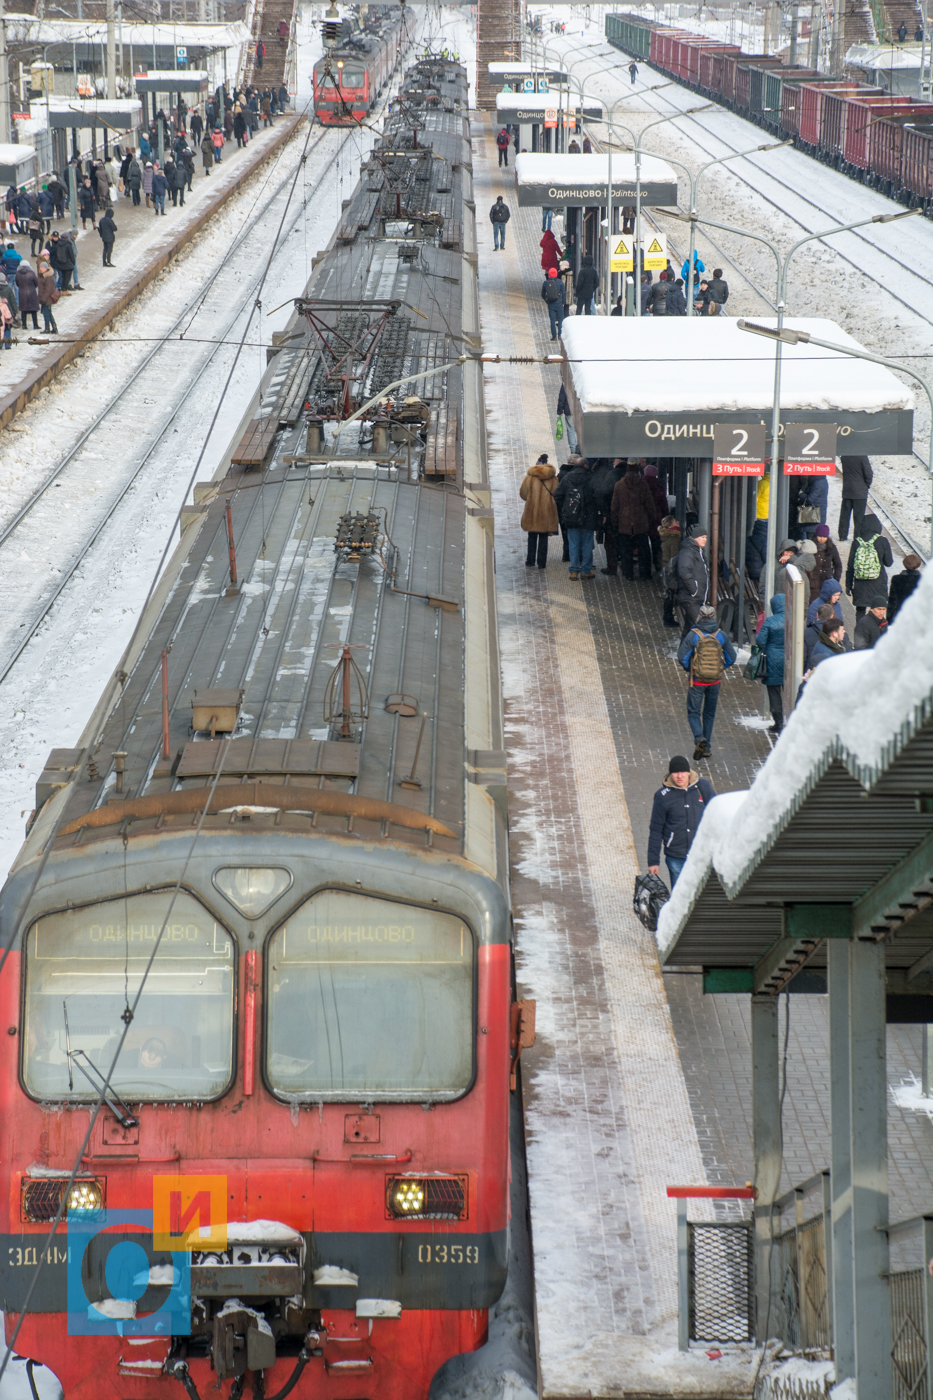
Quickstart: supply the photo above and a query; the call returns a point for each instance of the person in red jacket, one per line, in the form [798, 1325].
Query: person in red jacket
[503, 141]
[550, 253]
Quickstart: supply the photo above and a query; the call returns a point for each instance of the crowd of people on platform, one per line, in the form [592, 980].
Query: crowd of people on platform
[623, 505]
[34, 283]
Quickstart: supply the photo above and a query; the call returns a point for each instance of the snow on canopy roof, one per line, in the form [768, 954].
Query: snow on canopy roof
[128, 106]
[860, 709]
[16, 155]
[572, 171]
[626, 365]
[884, 56]
[544, 102]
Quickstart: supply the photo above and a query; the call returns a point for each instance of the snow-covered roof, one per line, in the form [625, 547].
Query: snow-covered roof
[863, 711]
[24, 29]
[119, 112]
[698, 364]
[537, 103]
[884, 56]
[557, 180]
[171, 80]
[11, 154]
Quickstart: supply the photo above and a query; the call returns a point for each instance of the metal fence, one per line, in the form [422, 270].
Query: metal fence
[804, 1323]
[908, 1335]
[722, 1281]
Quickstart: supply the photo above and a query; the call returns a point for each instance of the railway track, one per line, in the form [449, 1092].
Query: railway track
[138, 422]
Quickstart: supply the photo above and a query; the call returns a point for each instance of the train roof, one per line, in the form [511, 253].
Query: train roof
[364, 575]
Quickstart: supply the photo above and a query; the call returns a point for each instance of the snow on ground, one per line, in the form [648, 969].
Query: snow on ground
[874, 282]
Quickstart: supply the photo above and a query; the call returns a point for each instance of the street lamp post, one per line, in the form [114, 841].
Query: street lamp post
[782, 265]
[790, 337]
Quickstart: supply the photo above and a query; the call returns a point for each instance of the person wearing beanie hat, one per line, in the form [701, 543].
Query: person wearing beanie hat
[787, 553]
[828, 564]
[676, 814]
[704, 653]
[688, 576]
[903, 584]
[554, 296]
[873, 625]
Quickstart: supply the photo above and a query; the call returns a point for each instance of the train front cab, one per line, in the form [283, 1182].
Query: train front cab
[346, 100]
[325, 1027]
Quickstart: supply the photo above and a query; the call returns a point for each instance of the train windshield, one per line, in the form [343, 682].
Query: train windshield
[370, 1000]
[351, 78]
[85, 966]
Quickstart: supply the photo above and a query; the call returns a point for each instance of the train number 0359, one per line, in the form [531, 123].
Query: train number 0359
[448, 1254]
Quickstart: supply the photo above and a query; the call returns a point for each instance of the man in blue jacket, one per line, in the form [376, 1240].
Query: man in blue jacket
[675, 816]
[770, 639]
[704, 653]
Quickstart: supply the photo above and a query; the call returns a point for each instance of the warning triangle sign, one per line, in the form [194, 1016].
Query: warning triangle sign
[623, 249]
[655, 247]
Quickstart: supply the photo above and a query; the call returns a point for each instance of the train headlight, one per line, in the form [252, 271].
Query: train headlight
[85, 1195]
[427, 1197]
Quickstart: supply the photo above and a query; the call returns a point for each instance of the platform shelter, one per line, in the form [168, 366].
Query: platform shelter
[660, 387]
[114, 116]
[819, 879]
[544, 120]
[17, 164]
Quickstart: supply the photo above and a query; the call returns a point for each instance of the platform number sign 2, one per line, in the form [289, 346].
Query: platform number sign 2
[739, 449]
[810, 449]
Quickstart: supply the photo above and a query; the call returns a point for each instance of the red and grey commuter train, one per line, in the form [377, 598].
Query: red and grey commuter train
[276, 866]
[349, 78]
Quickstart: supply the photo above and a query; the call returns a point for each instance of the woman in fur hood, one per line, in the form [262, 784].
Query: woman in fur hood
[539, 518]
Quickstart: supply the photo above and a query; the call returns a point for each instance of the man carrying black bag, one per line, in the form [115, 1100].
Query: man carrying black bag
[676, 815]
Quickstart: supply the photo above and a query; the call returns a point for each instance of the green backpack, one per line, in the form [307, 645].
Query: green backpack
[867, 564]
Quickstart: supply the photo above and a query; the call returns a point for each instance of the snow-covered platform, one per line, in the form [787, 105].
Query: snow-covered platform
[145, 246]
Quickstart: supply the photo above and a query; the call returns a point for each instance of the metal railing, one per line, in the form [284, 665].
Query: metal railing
[716, 1270]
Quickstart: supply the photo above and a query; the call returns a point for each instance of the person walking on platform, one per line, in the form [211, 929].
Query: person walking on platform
[869, 557]
[585, 288]
[48, 295]
[159, 190]
[539, 518]
[718, 287]
[576, 507]
[633, 71]
[903, 584]
[553, 295]
[499, 216]
[704, 653]
[207, 154]
[187, 165]
[661, 507]
[134, 179]
[828, 564]
[59, 194]
[689, 576]
[632, 514]
[7, 314]
[857, 477]
[217, 141]
[87, 203]
[676, 813]
[563, 412]
[147, 182]
[260, 54]
[108, 232]
[550, 253]
[770, 639]
[27, 285]
[197, 128]
[669, 537]
[62, 258]
[503, 141]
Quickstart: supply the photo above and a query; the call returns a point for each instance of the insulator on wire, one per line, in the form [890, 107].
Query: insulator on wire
[330, 26]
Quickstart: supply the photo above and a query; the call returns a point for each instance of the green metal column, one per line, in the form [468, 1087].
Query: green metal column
[766, 1128]
[837, 953]
[869, 1112]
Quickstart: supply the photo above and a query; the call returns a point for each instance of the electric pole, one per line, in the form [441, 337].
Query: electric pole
[4, 84]
[111, 51]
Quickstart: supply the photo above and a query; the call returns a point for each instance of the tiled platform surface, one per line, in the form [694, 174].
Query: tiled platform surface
[637, 1080]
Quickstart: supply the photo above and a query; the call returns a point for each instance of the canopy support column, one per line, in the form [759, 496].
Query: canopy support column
[766, 1130]
[837, 954]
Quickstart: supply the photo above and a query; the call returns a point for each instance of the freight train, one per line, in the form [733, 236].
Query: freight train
[276, 869]
[879, 138]
[351, 75]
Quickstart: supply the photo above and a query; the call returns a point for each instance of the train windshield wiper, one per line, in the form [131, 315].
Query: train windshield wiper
[121, 1111]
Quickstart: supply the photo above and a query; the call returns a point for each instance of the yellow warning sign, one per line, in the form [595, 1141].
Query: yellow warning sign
[622, 260]
[655, 253]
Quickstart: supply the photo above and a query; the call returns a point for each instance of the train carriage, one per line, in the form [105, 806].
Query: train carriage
[291, 802]
[349, 78]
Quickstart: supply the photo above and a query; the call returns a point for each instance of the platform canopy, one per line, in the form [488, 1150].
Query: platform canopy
[553, 181]
[518, 72]
[534, 106]
[119, 113]
[649, 387]
[838, 820]
[171, 80]
[17, 164]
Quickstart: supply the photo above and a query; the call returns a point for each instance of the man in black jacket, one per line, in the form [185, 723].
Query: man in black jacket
[719, 287]
[585, 287]
[856, 479]
[108, 232]
[579, 517]
[692, 576]
[656, 301]
[62, 259]
[870, 628]
[676, 815]
[499, 216]
[604, 478]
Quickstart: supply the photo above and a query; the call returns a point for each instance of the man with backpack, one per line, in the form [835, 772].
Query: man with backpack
[687, 576]
[869, 556]
[579, 517]
[679, 805]
[704, 653]
[554, 298]
[499, 216]
[503, 141]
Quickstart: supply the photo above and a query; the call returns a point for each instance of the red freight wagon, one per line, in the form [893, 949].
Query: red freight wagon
[864, 118]
[660, 51]
[917, 164]
[834, 117]
[791, 100]
[681, 49]
[694, 56]
[730, 63]
[886, 147]
[811, 108]
[716, 62]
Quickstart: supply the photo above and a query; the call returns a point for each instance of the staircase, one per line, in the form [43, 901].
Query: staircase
[267, 16]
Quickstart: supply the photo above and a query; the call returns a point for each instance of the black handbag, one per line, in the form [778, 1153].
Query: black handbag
[756, 667]
[651, 895]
